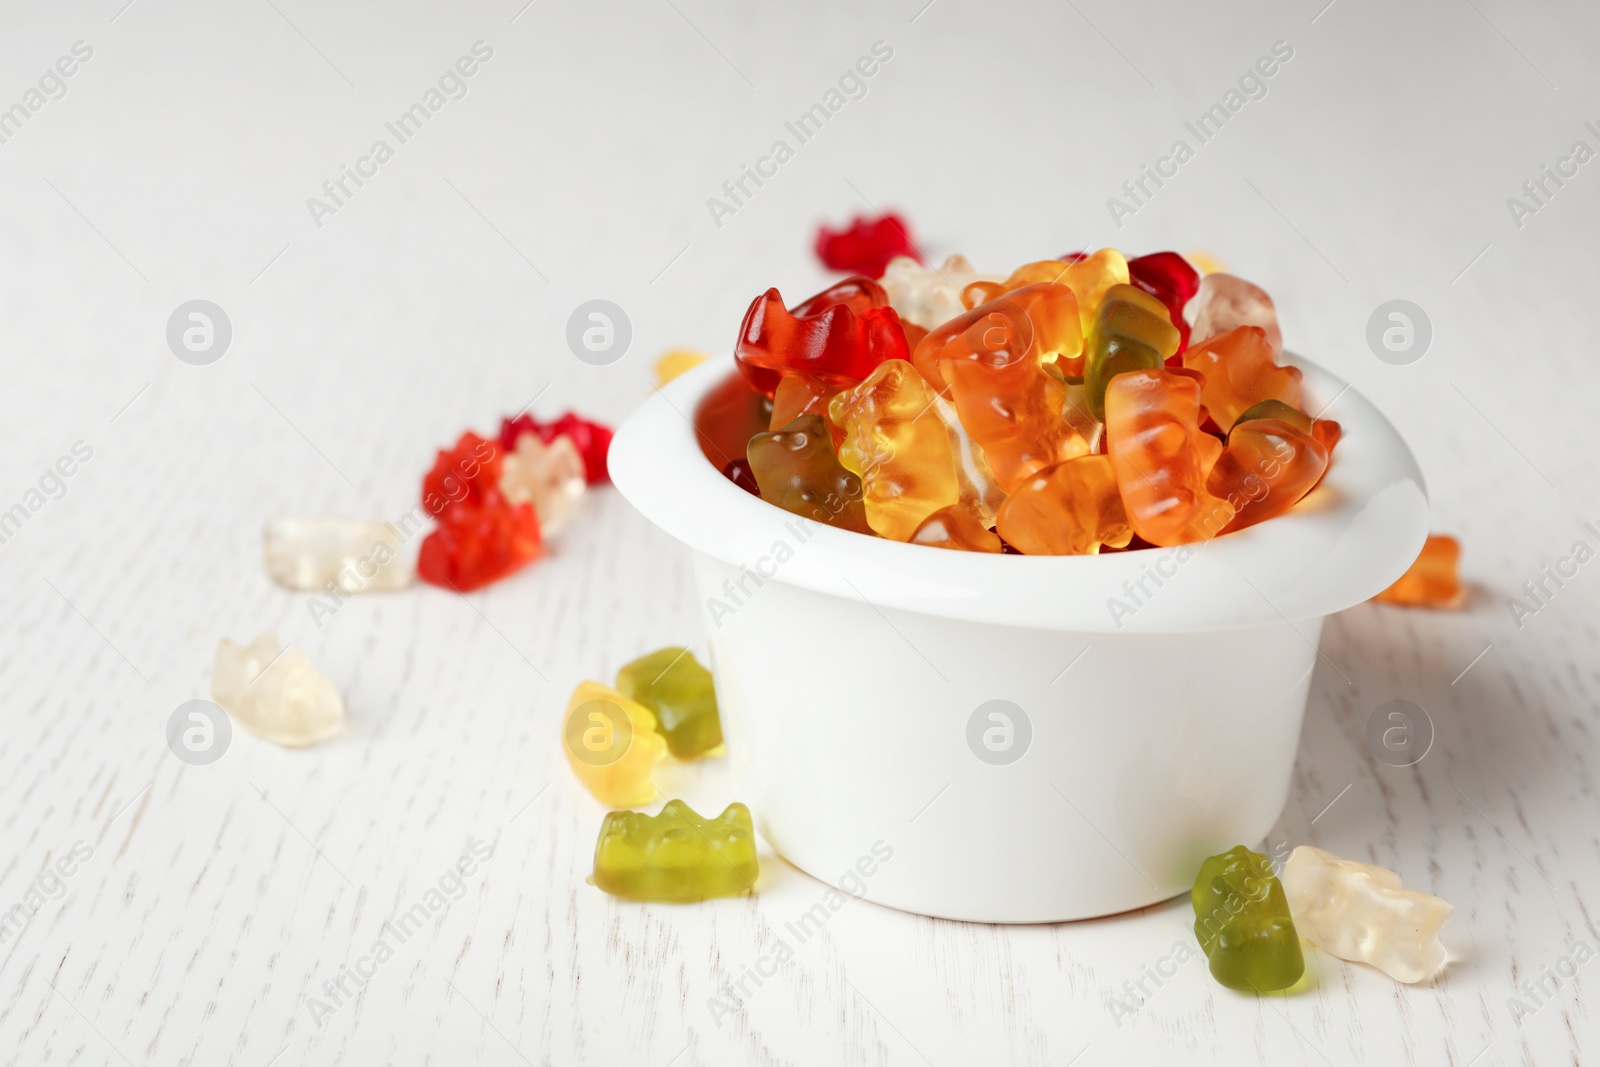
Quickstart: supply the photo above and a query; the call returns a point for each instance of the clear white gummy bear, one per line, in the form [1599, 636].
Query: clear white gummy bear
[927, 296]
[1358, 912]
[356, 556]
[1225, 302]
[548, 476]
[280, 697]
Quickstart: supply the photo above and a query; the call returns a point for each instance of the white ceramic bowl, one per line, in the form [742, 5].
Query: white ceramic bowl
[1149, 702]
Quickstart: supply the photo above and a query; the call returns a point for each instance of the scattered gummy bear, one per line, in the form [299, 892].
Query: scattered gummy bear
[675, 362]
[1356, 911]
[278, 695]
[354, 556]
[676, 856]
[611, 745]
[592, 439]
[679, 693]
[482, 536]
[1432, 581]
[1242, 923]
[867, 246]
[548, 476]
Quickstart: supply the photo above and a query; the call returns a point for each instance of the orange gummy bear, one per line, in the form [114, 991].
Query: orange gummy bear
[1240, 372]
[1162, 458]
[1070, 509]
[956, 527]
[1267, 467]
[1088, 278]
[991, 360]
[1433, 581]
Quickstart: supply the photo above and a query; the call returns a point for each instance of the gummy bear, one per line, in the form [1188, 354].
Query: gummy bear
[832, 343]
[1070, 509]
[1169, 278]
[738, 472]
[1275, 409]
[679, 693]
[278, 695]
[928, 297]
[1239, 372]
[796, 395]
[797, 470]
[1090, 278]
[728, 417]
[474, 546]
[351, 555]
[550, 477]
[482, 537]
[1162, 458]
[991, 360]
[592, 439]
[898, 446]
[858, 293]
[1243, 925]
[1131, 332]
[956, 527]
[867, 246]
[673, 363]
[468, 473]
[611, 745]
[1357, 911]
[1225, 302]
[1087, 276]
[1266, 468]
[983, 290]
[1432, 580]
[676, 856]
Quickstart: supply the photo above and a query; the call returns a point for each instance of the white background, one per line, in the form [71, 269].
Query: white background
[178, 165]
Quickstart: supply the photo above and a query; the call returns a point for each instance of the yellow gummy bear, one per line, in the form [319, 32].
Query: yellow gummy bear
[612, 745]
[1090, 278]
[899, 446]
[675, 362]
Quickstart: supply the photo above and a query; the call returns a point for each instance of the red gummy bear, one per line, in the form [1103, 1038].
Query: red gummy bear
[592, 439]
[858, 293]
[481, 536]
[833, 342]
[867, 246]
[1168, 277]
[467, 474]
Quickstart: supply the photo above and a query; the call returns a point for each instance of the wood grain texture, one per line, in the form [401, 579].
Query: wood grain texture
[217, 900]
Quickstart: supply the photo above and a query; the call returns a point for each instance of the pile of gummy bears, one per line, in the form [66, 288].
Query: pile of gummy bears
[1083, 404]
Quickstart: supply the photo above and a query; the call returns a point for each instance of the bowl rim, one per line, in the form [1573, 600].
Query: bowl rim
[1348, 540]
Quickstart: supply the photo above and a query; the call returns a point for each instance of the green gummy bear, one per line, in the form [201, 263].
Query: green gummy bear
[1243, 924]
[679, 693]
[676, 856]
[1131, 331]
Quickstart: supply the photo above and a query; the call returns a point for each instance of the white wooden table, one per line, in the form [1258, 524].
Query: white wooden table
[208, 904]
